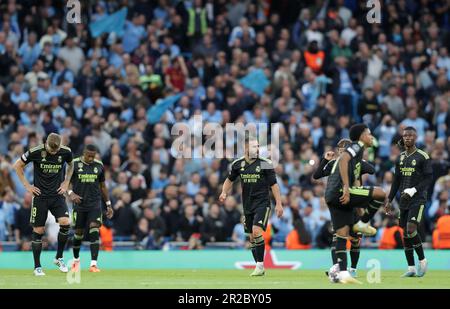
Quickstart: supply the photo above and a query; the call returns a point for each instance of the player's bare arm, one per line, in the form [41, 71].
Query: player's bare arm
[104, 190]
[343, 170]
[19, 167]
[277, 195]
[226, 188]
[65, 184]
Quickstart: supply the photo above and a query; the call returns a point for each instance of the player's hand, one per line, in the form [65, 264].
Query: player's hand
[410, 191]
[75, 198]
[329, 155]
[388, 208]
[345, 198]
[109, 212]
[222, 197]
[279, 210]
[33, 190]
[63, 187]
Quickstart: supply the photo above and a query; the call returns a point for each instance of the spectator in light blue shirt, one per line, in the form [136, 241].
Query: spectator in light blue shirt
[134, 33]
[17, 95]
[385, 132]
[211, 114]
[282, 225]
[62, 73]
[420, 124]
[316, 131]
[96, 97]
[441, 119]
[30, 51]
[45, 91]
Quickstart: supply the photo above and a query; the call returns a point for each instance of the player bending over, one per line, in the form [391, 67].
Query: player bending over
[48, 194]
[88, 189]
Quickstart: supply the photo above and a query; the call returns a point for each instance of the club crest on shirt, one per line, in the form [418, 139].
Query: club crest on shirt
[258, 169]
[80, 167]
[43, 155]
[242, 165]
[95, 170]
[59, 159]
[413, 162]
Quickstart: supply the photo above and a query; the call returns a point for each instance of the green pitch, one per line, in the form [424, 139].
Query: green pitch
[225, 279]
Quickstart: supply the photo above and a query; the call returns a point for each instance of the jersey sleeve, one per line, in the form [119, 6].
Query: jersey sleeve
[69, 157]
[367, 168]
[271, 177]
[354, 149]
[30, 156]
[234, 172]
[101, 176]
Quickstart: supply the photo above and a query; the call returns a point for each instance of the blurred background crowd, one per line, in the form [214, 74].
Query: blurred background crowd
[326, 67]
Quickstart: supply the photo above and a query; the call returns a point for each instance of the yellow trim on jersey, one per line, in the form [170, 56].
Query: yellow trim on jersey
[66, 148]
[423, 153]
[41, 146]
[267, 160]
[99, 162]
[232, 163]
[359, 191]
[77, 159]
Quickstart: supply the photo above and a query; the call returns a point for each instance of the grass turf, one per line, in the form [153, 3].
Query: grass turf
[207, 279]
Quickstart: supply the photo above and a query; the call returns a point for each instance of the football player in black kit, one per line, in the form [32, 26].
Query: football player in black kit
[88, 190]
[324, 170]
[257, 179]
[48, 191]
[413, 176]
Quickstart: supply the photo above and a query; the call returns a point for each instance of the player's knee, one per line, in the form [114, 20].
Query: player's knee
[411, 229]
[64, 221]
[94, 234]
[39, 230]
[256, 232]
[379, 194]
[79, 234]
[94, 225]
[343, 232]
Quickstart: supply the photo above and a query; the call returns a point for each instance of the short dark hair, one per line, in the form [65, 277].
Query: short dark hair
[91, 147]
[356, 131]
[410, 129]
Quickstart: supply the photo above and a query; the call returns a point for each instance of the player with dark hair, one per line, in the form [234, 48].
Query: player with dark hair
[257, 177]
[342, 196]
[88, 189]
[413, 176]
[48, 194]
[324, 170]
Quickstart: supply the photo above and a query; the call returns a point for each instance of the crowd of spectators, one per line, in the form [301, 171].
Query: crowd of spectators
[328, 68]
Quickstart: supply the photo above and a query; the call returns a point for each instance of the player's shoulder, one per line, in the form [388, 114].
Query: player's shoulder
[77, 159]
[37, 148]
[265, 160]
[237, 161]
[423, 154]
[99, 162]
[355, 148]
[65, 149]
